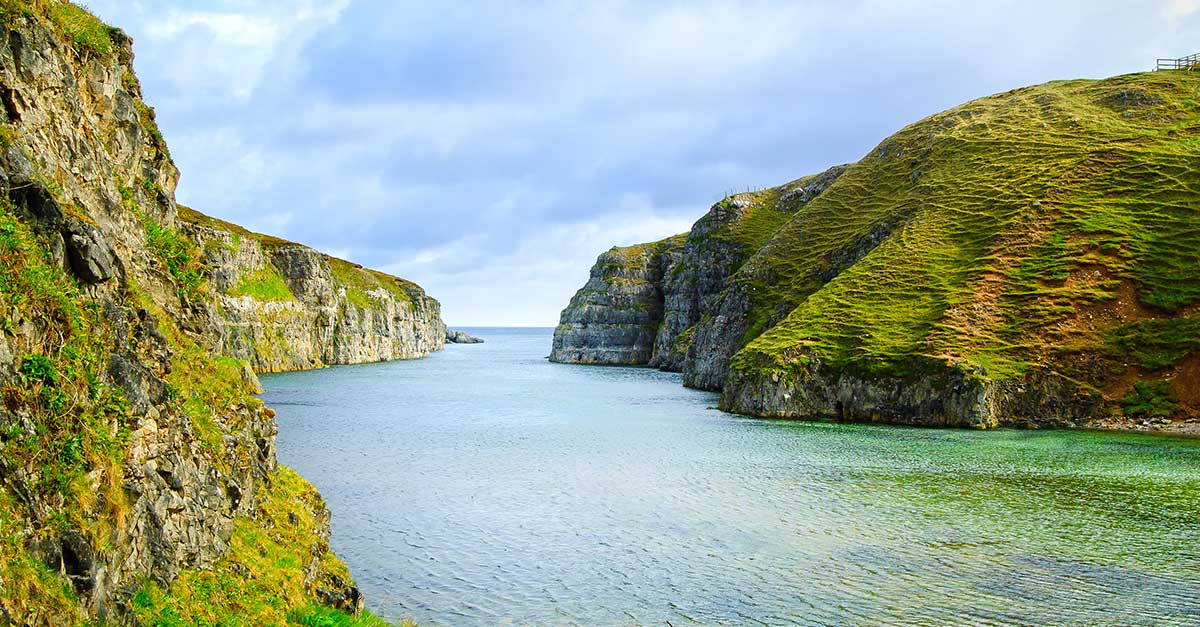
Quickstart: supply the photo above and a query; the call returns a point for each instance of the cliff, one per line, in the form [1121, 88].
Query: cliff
[1026, 259]
[138, 479]
[283, 306]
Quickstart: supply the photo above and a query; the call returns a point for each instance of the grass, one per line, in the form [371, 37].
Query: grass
[998, 235]
[88, 32]
[1150, 399]
[1154, 344]
[187, 214]
[264, 284]
[73, 457]
[30, 588]
[75, 436]
[180, 255]
[262, 579]
[360, 283]
[150, 122]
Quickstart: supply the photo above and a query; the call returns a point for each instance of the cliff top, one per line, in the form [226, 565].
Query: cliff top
[87, 32]
[356, 277]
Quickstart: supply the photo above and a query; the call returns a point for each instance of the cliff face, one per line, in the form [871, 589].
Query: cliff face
[643, 304]
[614, 318]
[138, 479]
[283, 306]
[1026, 259]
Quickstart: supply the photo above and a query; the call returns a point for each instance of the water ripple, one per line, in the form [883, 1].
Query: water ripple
[484, 486]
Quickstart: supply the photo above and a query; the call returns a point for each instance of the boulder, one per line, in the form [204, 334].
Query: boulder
[461, 337]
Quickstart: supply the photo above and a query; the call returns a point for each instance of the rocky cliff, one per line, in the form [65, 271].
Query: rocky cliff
[642, 303]
[283, 306]
[1026, 259]
[138, 480]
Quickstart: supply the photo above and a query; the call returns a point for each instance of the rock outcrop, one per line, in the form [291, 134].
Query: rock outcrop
[138, 478]
[643, 304]
[614, 318]
[1025, 259]
[283, 306]
[461, 337]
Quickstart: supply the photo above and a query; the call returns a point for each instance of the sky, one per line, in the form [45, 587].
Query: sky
[490, 153]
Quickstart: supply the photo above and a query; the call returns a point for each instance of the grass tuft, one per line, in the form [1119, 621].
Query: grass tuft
[264, 284]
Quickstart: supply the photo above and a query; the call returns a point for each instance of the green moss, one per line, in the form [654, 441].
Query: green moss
[1150, 399]
[684, 341]
[8, 135]
[1155, 344]
[264, 284]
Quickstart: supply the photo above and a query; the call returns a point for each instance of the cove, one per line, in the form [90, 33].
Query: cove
[486, 486]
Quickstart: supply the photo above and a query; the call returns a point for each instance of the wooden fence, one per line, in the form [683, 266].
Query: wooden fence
[1182, 63]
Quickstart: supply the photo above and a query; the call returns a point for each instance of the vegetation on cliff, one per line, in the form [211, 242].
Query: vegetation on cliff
[138, 480]
[1036, 229]
[1051, 231]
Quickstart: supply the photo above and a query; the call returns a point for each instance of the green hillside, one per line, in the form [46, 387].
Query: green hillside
[1055, 227]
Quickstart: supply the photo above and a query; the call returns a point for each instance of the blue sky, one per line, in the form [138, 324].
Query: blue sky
[490, 153]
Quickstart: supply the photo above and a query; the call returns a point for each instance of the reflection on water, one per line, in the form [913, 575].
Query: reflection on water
[486, 486]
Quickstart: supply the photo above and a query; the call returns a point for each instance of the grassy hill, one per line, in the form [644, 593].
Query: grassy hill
[1033, 256]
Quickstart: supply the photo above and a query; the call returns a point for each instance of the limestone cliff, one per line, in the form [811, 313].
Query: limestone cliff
[1026, 259]
[284, 306]
[138, 479]
[614, 318]
[642, 303]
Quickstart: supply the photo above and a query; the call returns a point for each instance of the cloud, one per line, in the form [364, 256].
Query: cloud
[1176, 9]
[490, 154]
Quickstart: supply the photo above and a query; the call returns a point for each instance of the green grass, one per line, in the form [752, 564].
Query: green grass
[1155, 344]
[262, 579]
[88, 32]
[150, 122]
[264, 284]
[71, 449]
[1150, 400]
[192, 216]
[359, 282]
[29, 586]
[983, 235]
[180, 255]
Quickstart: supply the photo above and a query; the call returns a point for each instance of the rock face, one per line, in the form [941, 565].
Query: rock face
[283, 306]
[133, 454]
[614, 319]
[461, 337]
[644, 304]
[1010, 262]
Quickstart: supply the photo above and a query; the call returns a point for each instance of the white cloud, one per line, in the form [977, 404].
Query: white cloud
[490, 155]
[1178, 9]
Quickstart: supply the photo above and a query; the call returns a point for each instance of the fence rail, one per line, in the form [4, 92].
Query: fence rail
[1182, 63]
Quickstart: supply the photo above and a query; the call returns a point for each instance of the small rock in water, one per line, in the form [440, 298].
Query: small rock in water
[461, 337]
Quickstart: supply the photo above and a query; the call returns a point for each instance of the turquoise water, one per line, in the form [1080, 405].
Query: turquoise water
[486, 486]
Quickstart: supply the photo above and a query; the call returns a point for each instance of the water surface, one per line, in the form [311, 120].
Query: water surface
[486, 486]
